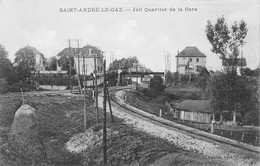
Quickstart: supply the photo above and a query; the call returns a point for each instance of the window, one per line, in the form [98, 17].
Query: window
[190, 59]
[197, 59]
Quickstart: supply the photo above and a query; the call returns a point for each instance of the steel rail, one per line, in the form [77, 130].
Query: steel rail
[245, 147]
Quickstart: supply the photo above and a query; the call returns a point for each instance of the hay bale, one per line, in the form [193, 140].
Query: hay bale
[24, 138]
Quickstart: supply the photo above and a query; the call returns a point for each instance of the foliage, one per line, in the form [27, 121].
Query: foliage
[6, 67]
[203, 80]
[176, 77]
[156, 83]
[124, 63]
[226, 42]
[17, 88]
[169, 77]
[232, 92]
[25, 60]
[112, 78]
[248, 72]
[64, 62]
[52, 64]
[56, 80]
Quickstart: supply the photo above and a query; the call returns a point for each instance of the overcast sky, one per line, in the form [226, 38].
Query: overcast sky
[146, 35]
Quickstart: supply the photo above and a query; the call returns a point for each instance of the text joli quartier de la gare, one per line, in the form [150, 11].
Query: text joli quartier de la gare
[133, 9]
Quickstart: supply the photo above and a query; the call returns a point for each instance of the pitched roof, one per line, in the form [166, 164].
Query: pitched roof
[238, 62]
[196, 106]
[81, 51]
[191, 51]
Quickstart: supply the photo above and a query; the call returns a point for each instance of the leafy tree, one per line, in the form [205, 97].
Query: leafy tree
[169, 77]
[124, 63]
[25, 63]
[156, 83]
[112, 78]
[248, 72]
[226, 42]
[64, 62]
[203, 80]
[6, 66]
[176, 78]
[52, 63]
[232, 92]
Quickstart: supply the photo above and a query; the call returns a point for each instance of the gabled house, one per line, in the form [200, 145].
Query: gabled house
[189, 59]
[85, 57]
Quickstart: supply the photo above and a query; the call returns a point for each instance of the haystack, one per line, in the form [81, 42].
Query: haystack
[24, 138]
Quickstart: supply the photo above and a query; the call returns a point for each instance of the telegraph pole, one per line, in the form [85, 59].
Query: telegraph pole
[84, 79]
[136, 78]
[80, 91]
[70, 65]
[104, 119]
[96, 92]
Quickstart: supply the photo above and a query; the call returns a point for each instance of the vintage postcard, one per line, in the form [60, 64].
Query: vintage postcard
[132, 82]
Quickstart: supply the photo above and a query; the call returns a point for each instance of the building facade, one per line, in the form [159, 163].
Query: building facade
[84, 59]
[189, 59]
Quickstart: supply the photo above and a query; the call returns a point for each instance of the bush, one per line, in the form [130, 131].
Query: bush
[3, 88]
[56, 80]
[156, 83]
[18, 87]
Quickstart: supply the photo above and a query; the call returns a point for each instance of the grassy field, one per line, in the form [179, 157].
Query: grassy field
[61, 117]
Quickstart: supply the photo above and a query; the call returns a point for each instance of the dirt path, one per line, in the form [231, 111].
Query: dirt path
[232, 155]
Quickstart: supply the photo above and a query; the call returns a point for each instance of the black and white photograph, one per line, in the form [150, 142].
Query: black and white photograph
[129, 83]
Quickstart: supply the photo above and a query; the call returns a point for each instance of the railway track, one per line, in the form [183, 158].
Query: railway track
[191, 131]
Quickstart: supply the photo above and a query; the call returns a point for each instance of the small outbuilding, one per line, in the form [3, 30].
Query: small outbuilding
[194, 110]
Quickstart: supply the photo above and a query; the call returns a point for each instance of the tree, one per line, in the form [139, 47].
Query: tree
[6, 66]
[252, 73]
[169, 77]
[112, 78]
[232, 92]
[226, 42]
[25, 63]
[156, 83]
[124, 63]
[52, 63]
[203, 80]
[64, 62]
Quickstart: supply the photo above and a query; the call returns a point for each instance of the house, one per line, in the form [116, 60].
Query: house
[85, 57]
[189, 59]
[145, 83]
[194, 110]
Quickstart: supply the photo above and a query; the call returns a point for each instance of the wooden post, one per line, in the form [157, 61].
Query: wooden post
[109, 103]
[84, 85]
[80, 91]
[160, 113]
[242, 138]
[256, 138]
[212, 127]
[104, 119]
[96, 92]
